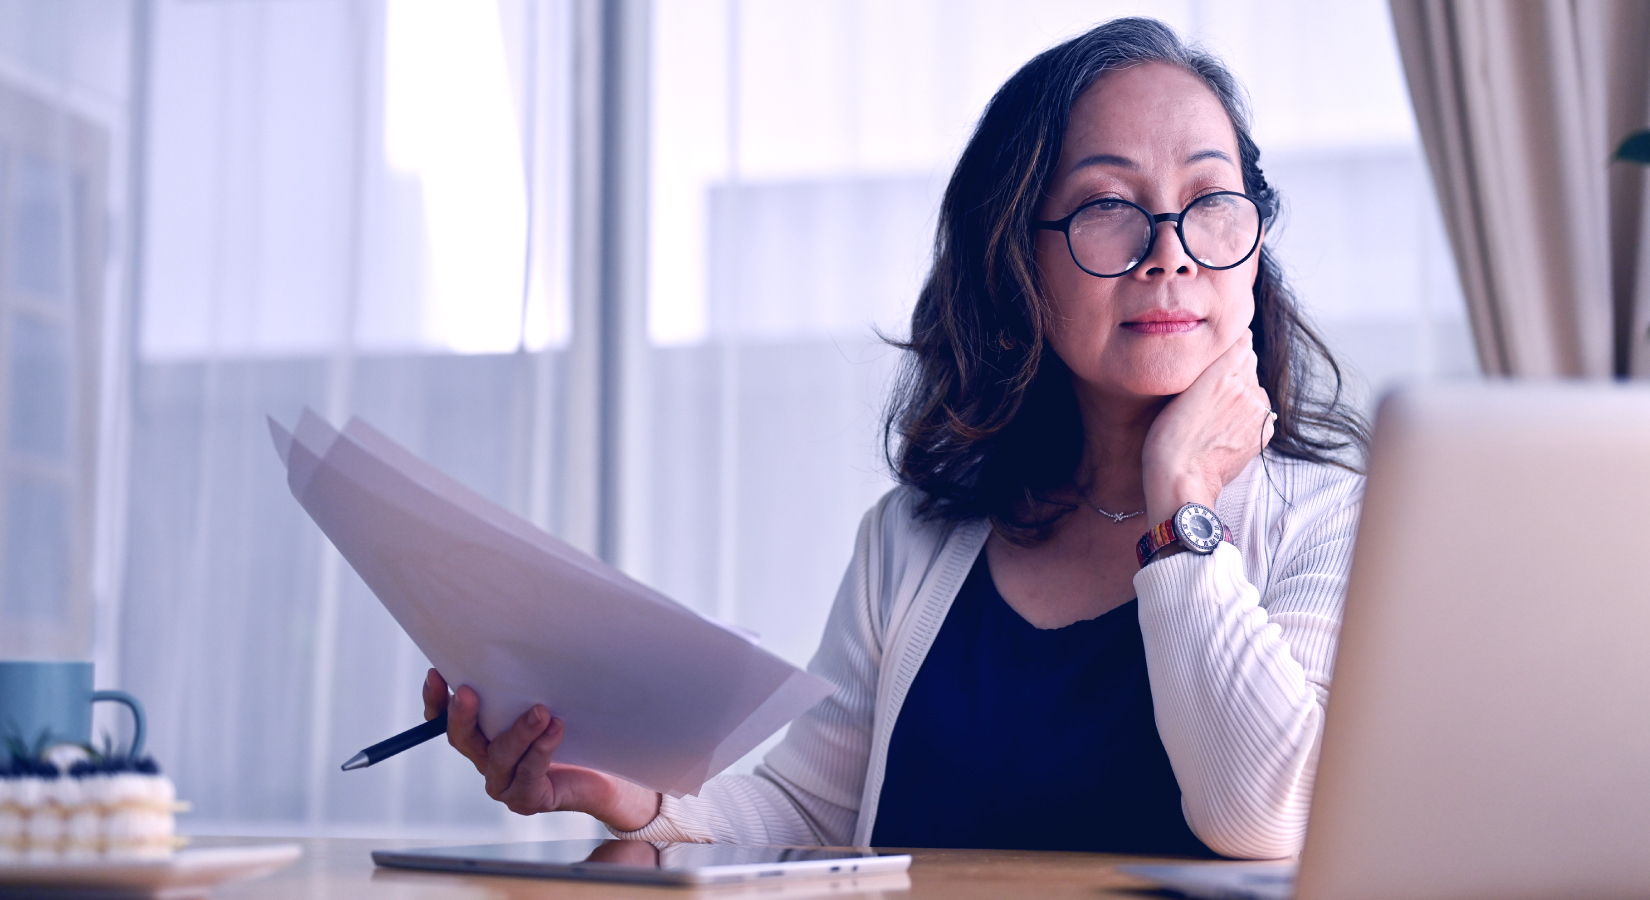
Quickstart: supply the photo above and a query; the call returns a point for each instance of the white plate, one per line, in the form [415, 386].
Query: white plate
[187, 873]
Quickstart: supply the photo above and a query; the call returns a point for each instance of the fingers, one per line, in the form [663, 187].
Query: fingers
[506, 751]
[1247, 362]
[1230, 385]
[516, 763]
[1236, 366]
[530, 789]
[435, 695]
[463, 732]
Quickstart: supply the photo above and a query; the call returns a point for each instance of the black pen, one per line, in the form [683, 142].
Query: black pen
[406, 740]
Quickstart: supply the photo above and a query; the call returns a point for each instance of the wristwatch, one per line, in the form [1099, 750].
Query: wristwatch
[1194, 527]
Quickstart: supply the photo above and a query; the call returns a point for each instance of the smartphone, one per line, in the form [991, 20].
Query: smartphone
[648, 863]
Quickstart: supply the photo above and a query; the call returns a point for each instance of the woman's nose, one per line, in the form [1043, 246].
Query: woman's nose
[1167, 255]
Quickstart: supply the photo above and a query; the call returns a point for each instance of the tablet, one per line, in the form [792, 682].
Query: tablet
[644, 862]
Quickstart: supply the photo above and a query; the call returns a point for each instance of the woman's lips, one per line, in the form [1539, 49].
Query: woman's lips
[1162, 324]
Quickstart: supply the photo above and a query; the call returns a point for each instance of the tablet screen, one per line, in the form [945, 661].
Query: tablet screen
[640, 853]
[617, 860]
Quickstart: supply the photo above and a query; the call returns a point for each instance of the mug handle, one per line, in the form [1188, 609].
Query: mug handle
[137, 715]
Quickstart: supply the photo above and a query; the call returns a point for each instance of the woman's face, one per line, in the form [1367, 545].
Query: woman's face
[1155, 135]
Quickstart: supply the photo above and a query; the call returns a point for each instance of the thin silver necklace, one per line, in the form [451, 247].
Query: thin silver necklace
[1115, 517]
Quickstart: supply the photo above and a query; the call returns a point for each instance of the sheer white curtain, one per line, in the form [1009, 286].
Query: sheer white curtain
[362, 207]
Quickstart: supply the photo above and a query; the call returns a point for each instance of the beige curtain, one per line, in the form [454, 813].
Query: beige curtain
[1520, 104]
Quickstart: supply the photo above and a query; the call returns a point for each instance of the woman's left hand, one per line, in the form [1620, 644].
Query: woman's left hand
[1207, 434]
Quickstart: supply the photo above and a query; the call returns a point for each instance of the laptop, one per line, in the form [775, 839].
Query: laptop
[1488, 728]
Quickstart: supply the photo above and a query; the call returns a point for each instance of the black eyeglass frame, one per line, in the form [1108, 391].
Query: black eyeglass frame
[1156, 219]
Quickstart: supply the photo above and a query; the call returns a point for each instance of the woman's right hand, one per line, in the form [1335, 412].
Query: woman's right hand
[519, 769]
[1208, 433]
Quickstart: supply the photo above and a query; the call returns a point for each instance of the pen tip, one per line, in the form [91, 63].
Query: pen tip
[358, 761]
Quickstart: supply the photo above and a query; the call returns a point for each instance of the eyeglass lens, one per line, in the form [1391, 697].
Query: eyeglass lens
[1111, 237]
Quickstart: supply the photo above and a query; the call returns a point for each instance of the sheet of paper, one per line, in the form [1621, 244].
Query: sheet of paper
[650, 690]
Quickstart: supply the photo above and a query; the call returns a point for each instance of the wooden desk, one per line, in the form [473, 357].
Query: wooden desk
[342, 869]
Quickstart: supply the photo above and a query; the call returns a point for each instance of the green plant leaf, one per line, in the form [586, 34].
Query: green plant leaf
[1636, 148]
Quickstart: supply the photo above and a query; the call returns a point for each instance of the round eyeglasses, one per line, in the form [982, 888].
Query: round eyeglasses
[1111, 237]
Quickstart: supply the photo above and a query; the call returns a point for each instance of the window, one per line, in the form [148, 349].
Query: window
[54, 168]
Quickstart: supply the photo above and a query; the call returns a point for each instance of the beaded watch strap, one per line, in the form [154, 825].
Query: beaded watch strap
[1162, 535]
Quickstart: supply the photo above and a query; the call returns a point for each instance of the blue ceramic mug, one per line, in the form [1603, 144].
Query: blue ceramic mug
[51, 702]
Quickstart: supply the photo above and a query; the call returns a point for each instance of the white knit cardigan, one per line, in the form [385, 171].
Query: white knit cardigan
[1239, 648]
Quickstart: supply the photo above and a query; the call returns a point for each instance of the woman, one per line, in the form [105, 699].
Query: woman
[1098, 353]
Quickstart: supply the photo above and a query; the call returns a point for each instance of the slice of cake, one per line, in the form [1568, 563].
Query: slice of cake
[100, 806]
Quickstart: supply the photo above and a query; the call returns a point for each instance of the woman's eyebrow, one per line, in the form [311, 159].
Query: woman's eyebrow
[1105, 159]
[1123, 162]
[1202, 155]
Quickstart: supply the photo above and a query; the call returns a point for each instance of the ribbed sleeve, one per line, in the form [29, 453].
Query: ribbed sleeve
[1240, 676]
[748, 809]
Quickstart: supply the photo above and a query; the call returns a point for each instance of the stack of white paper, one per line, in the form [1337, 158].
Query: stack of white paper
[650, 690]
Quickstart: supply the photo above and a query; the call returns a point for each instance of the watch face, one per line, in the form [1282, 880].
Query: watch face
[1198, 528]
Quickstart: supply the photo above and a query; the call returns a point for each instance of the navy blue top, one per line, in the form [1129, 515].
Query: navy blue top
[1016, 737]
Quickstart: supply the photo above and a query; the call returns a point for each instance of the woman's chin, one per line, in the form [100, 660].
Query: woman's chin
[1161, 388]
[1146, 381]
